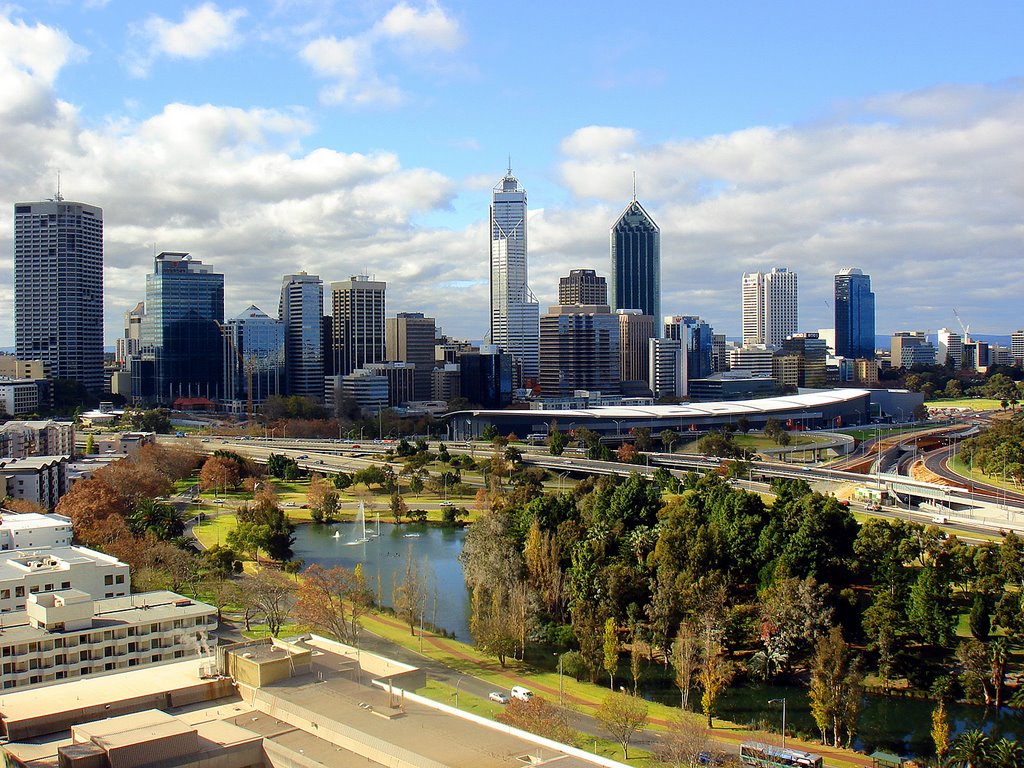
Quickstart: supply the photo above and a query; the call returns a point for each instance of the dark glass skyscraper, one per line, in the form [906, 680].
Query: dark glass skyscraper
[855, 315]
[180, 333]
[636, 261]
[58, 289]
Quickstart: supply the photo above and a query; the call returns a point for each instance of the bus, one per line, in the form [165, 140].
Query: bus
[768, 756]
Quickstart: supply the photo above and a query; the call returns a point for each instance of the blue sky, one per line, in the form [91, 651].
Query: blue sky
[365, 136]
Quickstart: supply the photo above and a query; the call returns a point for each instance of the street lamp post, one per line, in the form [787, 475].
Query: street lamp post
[776, 701]
[457, 684]
[559, 678]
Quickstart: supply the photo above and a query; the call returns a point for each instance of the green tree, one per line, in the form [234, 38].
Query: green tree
[836, 689]
[557, 443]
[611, 650]
[932, 612]
[669, 438]
[971, 749]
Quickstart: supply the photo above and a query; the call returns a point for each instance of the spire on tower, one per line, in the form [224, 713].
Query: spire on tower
[634, 186]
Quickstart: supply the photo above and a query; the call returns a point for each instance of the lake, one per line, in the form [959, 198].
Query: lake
[384, 561]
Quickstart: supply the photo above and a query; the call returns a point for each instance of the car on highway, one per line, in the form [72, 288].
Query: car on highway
[498, 697]
[303, 456]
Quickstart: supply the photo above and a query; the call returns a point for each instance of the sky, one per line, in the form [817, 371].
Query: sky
[364, 137]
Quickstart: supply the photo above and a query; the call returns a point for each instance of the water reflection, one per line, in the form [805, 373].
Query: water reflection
[386, 556]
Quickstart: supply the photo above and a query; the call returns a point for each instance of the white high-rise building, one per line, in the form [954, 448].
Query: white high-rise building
[769, 306]
[515, 313]
[666, 368]
[950, 346]
[58, 288]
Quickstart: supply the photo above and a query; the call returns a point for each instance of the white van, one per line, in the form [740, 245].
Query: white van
[523, 694]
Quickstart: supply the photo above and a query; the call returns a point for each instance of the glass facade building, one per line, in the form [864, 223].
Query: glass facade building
[180, 332]
[515, 313]
[58, 289]
[855, 315]
[636, 261]
[254, 362]
[697, 339]
[301, 310]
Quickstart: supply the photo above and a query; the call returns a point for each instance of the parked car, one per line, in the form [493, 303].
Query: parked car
[498, 697]
[521, 693]
[711, 758]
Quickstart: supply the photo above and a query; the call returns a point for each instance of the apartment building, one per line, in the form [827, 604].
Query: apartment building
[39, 479]
[21, 530]
[66, 634]
[29, 572]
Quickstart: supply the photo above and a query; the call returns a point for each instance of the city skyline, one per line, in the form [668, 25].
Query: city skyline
[364, 139]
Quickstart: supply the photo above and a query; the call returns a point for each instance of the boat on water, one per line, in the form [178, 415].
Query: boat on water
[410, 535]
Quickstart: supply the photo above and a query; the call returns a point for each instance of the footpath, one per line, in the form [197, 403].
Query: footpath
[726, 738]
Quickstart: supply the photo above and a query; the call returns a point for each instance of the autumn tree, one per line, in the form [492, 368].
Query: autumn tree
[332, 600]
[133, 482]
[268, 594]
[682, 744]
[611, 650]
[836, 689]
[622, 715]
[322, 498]
[686, 660]
[219, 473]
[89, 504]
[540, 717]
[409, 595]
[715, 673]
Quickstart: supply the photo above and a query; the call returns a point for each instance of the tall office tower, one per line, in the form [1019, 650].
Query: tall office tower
[58, 288]
[358, 308]
[254, 359]
[1017, 347]
[515, 314]
[486, 376]
[583, 286]
[579, 349]
[719, 361]
[769, 306]
[697, 338]
[130, 345]
[180, 333]
[667, 368]
[301, 310]
[410, 338]
[635, 242]
[635, 331]
[950, 347]
[909, 348]
[855, 315]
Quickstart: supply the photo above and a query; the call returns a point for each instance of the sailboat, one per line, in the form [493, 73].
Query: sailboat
[360, 519]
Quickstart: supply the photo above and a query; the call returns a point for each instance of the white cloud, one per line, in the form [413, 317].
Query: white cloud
[203, 30]
[352, 63]
[428, 29]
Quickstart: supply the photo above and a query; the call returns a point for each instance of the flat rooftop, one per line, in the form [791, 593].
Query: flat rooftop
[99, 690]
[15, 563]
[17, 521]
[111, 613]
[434, 736]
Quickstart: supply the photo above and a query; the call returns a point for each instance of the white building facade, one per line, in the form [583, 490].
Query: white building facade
[515, 312]
[24, 530]
[28, 572]
[65, 635]
[770, 311]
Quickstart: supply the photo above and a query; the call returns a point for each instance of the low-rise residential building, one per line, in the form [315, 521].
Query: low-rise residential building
[66, 634]
[24, 530]
[27, 572]
[37, 438]
[43, 480]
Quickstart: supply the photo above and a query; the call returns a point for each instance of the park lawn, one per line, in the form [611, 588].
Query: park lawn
[445, 694]
[956, 464]
[288, 629]
[214, 530]
[972, 403]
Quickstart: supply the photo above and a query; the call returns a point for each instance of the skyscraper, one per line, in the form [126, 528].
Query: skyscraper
[515, 314]
[410, 339]
[58, 288]
[635, 332]
[130, 344]
[579, 349]
[636, 261]
[769, 307]
[180, 333]
[582, 286]
[301, 310]
[358, 308]
[855, 314]
[254, 358]
[950, 347]
[697, 339]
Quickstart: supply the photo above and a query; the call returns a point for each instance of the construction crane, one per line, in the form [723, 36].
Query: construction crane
[246, 366]
[965, 328]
